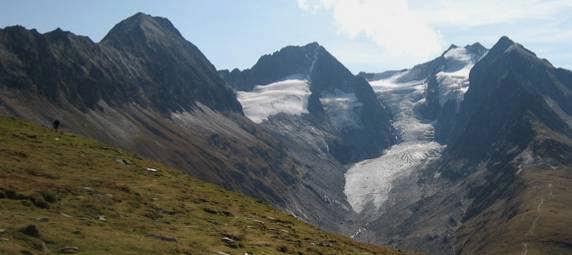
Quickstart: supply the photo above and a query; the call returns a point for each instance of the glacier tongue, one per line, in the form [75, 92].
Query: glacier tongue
[368, 182]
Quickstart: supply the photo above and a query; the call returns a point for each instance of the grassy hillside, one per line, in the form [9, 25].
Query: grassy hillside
[60, 193]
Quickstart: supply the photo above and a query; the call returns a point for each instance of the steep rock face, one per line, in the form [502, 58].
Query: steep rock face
[499, 187]
[172, 63]
[146, 89]
[511, 86]
[339, 104]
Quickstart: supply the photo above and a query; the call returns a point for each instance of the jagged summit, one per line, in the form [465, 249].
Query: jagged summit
[476, 46]
[59, 34]
[474, 51]
[312, 46]
[504, 41]
[19, 28]
[291, 60]
[309, 48]
[452, 46]
[19, 31]
[505, 46]
[304, 62]
[502, 45]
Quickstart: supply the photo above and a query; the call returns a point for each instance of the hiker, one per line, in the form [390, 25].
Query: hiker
[56, 124]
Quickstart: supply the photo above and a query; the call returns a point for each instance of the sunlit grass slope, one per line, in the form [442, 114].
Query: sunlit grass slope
[61, 193]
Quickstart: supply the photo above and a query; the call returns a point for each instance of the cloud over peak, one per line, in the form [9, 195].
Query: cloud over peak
[389, 24]
[411, 31]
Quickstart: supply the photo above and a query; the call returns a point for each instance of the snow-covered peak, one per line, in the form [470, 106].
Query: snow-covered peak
[458, 53]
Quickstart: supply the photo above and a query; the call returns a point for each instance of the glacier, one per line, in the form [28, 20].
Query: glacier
[368, 182]
[287, 96]
[454, 83]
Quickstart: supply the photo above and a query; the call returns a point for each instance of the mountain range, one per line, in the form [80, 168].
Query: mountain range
[469, 153]
[146, 89]
[498, 184]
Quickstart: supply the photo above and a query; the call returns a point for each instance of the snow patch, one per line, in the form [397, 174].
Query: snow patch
[453, 85]
[459, 54]
[288, 96]
[390, 83]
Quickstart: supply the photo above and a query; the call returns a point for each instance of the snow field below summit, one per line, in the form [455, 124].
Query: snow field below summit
[287, 96]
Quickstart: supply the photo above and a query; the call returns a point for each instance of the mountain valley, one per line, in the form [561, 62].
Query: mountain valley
[469, 153]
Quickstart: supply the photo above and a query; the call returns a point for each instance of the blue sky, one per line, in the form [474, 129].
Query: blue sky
[365, 35]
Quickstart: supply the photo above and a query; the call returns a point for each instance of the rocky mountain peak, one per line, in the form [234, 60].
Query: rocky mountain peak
[476, 47]
[141, 28]
[293, 60]
[513, 56]
[506, 46]
[504, 42]
[313, 46]
[452, 46]
[300, 62]
[60, 35]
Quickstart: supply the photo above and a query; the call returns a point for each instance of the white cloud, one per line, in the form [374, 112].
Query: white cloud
[489, 12]
[390, 24]
[413, 30]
